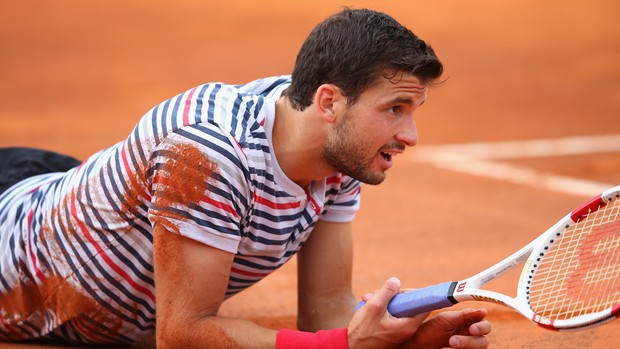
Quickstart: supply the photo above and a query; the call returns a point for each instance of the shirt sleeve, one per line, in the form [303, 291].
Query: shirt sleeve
[346, 202]
[198, 186]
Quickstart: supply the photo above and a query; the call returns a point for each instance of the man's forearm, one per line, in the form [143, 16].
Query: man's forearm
[334, 313]
[214, 332]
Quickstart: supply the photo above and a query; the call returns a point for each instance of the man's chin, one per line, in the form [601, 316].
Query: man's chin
[365, 174]
[372, 179]
[374, 182]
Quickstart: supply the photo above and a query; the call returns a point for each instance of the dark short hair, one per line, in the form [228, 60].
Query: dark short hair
[350, 49]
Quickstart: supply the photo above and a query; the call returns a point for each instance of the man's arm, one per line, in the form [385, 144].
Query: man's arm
[325, 298]
[191, 280]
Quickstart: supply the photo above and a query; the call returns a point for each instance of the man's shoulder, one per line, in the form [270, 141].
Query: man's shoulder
[266, 86]
[229, 100]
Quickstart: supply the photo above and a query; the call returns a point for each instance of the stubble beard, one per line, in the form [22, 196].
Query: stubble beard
[347, 152]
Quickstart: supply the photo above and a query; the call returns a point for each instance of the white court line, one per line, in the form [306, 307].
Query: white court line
[521, 149]
[475, 159]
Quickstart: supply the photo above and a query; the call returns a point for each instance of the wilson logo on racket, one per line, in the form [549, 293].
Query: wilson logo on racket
[599, 260]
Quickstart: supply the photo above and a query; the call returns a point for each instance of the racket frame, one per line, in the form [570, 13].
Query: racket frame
[469, 289]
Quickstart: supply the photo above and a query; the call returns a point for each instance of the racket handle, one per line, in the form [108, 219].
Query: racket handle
[421, 300]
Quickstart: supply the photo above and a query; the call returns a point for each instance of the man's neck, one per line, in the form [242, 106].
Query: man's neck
[298, 139]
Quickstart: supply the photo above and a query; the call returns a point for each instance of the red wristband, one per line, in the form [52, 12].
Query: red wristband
[328, 339]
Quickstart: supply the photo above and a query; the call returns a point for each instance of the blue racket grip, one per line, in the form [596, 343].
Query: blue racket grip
[421, 300]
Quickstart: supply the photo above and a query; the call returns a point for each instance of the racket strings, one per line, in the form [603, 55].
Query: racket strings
[578, 271]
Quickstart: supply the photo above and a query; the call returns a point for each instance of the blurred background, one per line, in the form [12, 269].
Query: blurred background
[514, 69]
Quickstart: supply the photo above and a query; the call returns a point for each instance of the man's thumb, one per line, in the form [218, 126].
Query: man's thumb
[390, 288]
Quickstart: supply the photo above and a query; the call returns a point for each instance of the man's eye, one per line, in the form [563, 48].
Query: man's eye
[394, 110]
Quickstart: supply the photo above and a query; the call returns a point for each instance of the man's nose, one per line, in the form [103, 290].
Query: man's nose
[408, 134]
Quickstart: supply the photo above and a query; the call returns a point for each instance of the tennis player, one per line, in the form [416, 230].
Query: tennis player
[213, 190]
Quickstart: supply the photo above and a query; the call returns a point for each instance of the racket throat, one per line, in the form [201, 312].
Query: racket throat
[451, 291]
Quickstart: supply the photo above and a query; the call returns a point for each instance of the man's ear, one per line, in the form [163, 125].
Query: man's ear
[328, 99]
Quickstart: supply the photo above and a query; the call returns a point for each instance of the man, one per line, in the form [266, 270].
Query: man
[218, 187]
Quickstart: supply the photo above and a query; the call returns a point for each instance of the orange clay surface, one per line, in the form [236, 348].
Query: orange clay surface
[76, 75]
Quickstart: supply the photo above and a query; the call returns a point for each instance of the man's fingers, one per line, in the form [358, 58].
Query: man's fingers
[474, 315]
[481, 328]
[468, 342]
[367, 296]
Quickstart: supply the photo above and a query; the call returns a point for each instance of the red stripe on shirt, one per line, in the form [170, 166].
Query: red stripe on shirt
[334, 179]
[125, 161]
[32, 255]
[240, 148]
[278, 206]
[220, 205]
[313, 204]
[103, 253]
[247, 273]
[188, 104]
[35, 189]
[128, 169]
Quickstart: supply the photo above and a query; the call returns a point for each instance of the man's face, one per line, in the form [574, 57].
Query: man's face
[378, 126]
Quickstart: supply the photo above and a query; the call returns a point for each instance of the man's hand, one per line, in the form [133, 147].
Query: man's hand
[373, 327]
[454, 329]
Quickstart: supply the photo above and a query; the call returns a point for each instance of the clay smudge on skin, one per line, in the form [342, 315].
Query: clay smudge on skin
[210, 336]
[174, 328]
[181, 181]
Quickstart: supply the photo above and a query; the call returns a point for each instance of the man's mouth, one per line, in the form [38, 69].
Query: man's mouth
[386, 156]
[389, 152]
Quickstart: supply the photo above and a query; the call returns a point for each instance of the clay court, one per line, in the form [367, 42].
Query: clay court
[534, 85]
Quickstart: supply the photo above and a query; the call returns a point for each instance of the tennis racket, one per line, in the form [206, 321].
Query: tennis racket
[570, 278]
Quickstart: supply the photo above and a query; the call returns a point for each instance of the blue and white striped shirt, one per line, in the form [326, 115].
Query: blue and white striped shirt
[77, 247]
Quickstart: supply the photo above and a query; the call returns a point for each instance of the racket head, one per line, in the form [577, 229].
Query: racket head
[572, 278]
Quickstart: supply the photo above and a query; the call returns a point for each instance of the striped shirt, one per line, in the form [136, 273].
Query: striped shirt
[77, 247]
